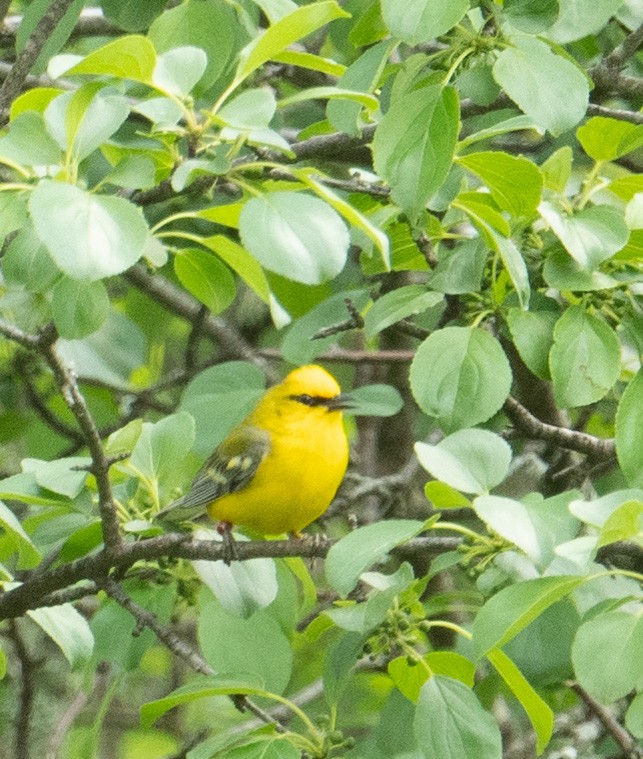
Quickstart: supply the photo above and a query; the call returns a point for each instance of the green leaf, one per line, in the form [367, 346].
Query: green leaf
[450, 723]
[350, 214]
[310, 61]
[130, 57]
[473, 461]
[161, 444]
[66, 476]
[27, 263]
[232, 644]
[409, 676]
[28, 143]
[574, 21]
[220, 397]
[298, 347]
[516, 184]
[548, 88]
[629, 431]
[132, 18]
[491, 223]
[460, 268]
[599, 510]
[339, 662]
[531, 16]
[178, 70]
[251, 109]
[557, 169]
[535, 527]
[562, 272]
[396, 305]
[590, 236]
[414, 144]
[607, 655]
[240, 261]
[452, 664]
[69, 631]
[508, 612]
[78, 308]
[361, 548]
[375, 400]
[88, 236]
[512, 124]
[539, 713]
[242, 587]
[584, 360]
[28, 555]
[422, 20]
[460, 376]
[210, 281]
[363, 99]
[363, 75]
[208, 24]
[283, 33]
[83, 120]
[443, 496]
[626, 523]
[605, 139]
[533, 336]
[295, 235]
[367, 616]
[203, 687]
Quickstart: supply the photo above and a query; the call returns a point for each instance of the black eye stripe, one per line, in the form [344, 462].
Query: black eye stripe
[310, 400]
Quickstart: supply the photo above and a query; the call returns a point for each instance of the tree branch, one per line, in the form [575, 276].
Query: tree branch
[626, 741]
[40, 590]
[573, 440]
[181, 303]
[44, 343]
[15, 80]
[27, 694]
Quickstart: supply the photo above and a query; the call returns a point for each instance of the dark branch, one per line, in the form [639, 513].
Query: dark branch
[24, 716]
[184, 305]
[12, 85]
[571, 439]
[39, 590]
[626, 742]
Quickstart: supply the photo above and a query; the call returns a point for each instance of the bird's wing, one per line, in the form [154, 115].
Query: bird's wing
[230, 468]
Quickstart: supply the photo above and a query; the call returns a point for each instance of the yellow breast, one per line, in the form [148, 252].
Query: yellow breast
[296, 481]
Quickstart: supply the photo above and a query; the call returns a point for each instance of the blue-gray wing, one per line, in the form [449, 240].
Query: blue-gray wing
[230, 468]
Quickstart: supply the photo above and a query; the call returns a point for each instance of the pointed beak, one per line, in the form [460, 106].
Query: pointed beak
[339, 402]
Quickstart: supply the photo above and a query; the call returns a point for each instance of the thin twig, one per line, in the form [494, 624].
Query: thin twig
[63, 724]
[12, 85]
[354, 321]
[178, 647]
[626, 741]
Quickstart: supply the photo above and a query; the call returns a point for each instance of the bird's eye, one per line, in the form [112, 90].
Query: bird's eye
[307, 400]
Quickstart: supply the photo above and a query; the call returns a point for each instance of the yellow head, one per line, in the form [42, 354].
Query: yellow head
[306, 393]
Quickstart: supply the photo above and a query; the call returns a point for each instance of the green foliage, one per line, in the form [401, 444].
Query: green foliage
[421, 197]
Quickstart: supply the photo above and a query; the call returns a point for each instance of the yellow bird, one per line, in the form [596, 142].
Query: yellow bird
[280, 468]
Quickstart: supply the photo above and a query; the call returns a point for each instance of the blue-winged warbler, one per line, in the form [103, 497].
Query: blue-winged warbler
[280, 468]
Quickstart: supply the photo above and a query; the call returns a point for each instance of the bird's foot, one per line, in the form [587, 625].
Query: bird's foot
[230, 552]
